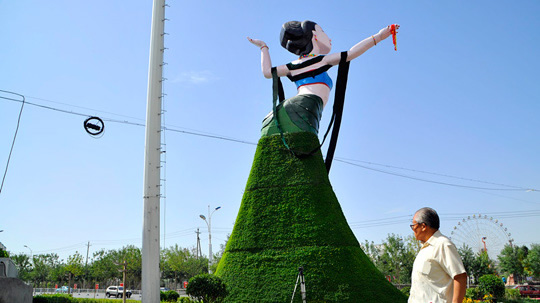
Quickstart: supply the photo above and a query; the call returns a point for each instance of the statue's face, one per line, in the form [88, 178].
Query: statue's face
[323, 42]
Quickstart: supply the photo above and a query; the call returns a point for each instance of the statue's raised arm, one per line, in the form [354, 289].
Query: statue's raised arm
[362, 46]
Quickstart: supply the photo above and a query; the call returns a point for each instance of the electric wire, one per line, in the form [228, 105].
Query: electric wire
[15, 135]
[61, 249]
[343, 160]
[506, 197]
[87, 108]
[435, 182]
[432, 173]
[444, 217]
[50, 108]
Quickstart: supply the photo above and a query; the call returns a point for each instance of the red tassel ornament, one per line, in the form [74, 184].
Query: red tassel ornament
[393, 32]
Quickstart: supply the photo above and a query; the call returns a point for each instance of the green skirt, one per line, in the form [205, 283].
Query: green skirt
[300, 113]
[290, 217]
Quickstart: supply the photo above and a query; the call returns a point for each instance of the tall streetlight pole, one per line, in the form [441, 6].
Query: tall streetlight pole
[209, 224]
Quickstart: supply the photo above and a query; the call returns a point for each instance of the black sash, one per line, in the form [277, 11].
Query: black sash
[337, 113]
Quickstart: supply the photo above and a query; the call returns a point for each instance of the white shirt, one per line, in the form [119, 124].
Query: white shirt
[434, 269]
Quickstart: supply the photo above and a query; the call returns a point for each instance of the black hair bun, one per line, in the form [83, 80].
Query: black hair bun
[296, 36]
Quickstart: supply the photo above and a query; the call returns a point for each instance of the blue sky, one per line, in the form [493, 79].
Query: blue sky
[459, 98]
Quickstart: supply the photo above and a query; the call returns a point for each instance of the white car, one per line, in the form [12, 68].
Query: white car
[117, 292]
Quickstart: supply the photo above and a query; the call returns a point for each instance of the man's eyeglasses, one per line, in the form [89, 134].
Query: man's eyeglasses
[412, 225]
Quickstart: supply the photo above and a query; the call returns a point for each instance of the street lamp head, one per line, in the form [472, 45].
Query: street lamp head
[202, 217]
[218, 207]
[26, 246]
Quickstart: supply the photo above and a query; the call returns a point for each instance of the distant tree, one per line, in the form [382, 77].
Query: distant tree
[133, 256]
[395, 257]
[372, 251]
[47, 270]
[412, 248]
[106, 265]
[74, 267]
[194, 266]
[181, 263]
[41, 271]
[532, 261]
[482, 265]
[511, 259]
[57, 274]
[172, 262]
[390, 257]
[24, 265]
[468, 259]
[103, 269]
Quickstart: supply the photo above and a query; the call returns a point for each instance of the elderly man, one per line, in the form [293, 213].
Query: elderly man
[438, 274]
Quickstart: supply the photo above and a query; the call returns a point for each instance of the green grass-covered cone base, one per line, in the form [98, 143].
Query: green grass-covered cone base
[290, 217]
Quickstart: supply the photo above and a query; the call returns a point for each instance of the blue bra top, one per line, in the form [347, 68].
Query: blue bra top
[321, 78]
[315, 76]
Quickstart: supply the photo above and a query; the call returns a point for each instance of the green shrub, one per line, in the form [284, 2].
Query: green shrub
[491, 284]
[185, 300]
[39, 299]
[473, 293]
[62, 298]
[168, 296]
[4, 254]
[57, 298]
[173, 295]
[406, 291]
[207, 288]
[512, 294]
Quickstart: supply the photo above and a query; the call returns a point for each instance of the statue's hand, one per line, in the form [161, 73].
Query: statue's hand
[385, 32]
[257, 42]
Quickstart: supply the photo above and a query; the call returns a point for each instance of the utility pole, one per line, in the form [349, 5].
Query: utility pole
[152, 158]
[199, 253]
[86, 265]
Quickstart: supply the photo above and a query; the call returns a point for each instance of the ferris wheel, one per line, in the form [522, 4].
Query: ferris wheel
[480, 232]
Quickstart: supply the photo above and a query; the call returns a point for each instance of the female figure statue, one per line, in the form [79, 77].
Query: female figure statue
[289, 216]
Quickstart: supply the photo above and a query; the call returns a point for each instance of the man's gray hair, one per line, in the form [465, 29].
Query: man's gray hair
[428, 216]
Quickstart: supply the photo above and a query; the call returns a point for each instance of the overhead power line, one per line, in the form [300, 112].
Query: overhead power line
[342, 160]
[432, 173]
[444, 217]
[16, 131]
[436, 182]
